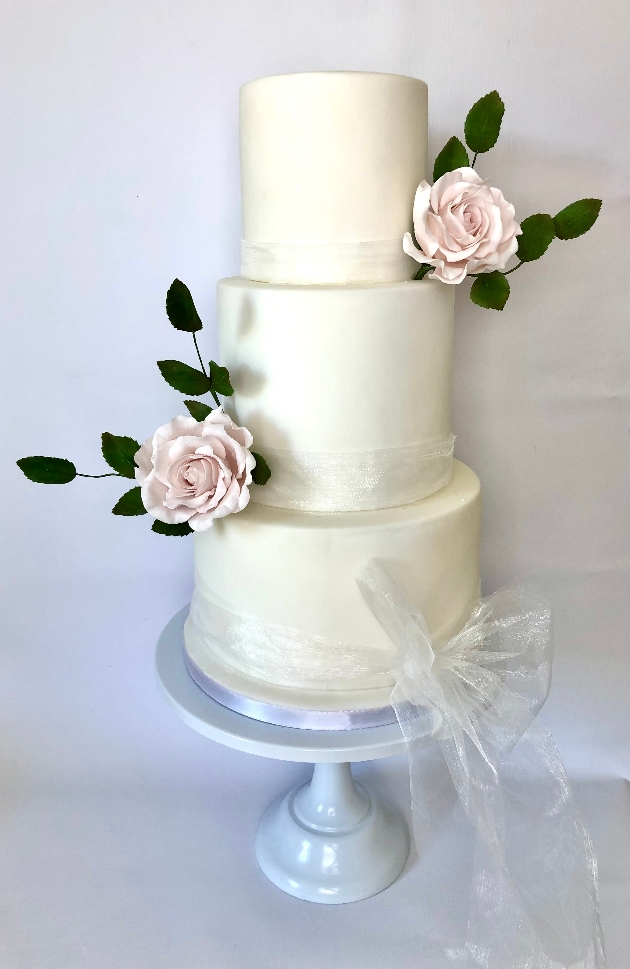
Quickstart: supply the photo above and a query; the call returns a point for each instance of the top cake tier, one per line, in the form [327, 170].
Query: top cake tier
[330, 163]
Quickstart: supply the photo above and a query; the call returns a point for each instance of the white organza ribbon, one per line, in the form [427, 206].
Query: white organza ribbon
[379, 261]
[278, 654]
[534, 887]
[355, 481]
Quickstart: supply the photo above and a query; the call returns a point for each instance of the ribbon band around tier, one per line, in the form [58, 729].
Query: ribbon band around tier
[278, 654]
[321, 263]
[355, 481]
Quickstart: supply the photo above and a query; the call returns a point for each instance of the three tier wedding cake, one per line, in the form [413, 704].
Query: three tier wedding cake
[341, 368]
[337, 565]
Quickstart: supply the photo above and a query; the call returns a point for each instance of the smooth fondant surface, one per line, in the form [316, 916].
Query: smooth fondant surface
[339, 369]
[332, 156]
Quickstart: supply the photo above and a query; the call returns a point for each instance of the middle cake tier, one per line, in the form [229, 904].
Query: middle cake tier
[346, 389]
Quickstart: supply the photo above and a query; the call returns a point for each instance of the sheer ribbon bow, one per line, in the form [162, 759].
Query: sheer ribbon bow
[534, 888]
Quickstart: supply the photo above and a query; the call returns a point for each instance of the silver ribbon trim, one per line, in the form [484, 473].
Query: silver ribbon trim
[534, 887]
[355, 481]
[378, 261]
[295, 717]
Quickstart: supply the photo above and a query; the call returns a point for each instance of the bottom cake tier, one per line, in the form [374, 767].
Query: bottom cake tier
[278, 625]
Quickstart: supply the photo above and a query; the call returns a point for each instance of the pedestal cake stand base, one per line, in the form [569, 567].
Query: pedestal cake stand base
[328, 841]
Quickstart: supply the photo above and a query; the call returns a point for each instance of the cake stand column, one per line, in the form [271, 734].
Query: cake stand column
[326, 841]
[331, 841]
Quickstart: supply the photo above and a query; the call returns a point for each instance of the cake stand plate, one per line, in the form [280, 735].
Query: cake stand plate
[328, 841]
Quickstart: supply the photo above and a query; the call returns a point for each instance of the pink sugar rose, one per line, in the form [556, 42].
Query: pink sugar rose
[196, 471]
[462, 225]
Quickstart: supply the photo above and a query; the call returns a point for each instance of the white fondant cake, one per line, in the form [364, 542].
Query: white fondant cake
[346, 389]
[330, 163]
[342, 372]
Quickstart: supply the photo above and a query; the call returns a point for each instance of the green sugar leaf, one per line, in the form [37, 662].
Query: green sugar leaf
[161, 528]
[483, 123]
[119, 453]
[180, 308]
[130, 504]
[424, 269]
[197, 409]
[452, 156]
[539, 232]
[220, 380]
[47, 470]
[262, 472]
[184, 378]
[577, 218]
[490, 291]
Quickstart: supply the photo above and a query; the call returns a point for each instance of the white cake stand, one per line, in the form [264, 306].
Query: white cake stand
[329, 841]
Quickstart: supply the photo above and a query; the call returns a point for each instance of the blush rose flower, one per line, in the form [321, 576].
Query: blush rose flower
[196, 471]
[462, 225]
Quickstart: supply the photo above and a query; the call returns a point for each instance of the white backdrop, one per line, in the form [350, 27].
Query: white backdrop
[126, 837]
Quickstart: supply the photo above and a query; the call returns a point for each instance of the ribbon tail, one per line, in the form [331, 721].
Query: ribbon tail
[534, 898]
